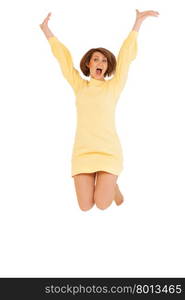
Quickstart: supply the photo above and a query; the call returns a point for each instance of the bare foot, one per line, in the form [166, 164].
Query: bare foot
[119, 199]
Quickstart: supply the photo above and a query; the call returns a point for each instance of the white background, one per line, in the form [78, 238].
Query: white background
[43, 231]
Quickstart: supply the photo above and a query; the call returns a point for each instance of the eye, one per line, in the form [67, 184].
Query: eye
[103, 60]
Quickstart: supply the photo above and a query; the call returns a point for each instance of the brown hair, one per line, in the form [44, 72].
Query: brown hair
[110, 59]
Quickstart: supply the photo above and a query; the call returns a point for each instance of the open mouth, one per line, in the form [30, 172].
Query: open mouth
[99, 71]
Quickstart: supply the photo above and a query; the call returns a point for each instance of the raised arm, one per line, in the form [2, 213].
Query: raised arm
[128, 51]
[64, 58]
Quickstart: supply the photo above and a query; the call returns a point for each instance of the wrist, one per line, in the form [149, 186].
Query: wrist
[137, 24]
[138, 20]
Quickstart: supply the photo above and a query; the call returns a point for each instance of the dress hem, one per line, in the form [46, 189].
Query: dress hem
[96, 170]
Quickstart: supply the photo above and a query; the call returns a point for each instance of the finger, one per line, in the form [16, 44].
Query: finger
[45, 21]
[152, 13]
[155, 12]
[47, 18]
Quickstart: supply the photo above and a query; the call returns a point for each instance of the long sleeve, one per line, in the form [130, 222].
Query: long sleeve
[127, 54]
[64, 58]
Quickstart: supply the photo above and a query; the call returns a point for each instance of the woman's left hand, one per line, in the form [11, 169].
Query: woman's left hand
[141, 16]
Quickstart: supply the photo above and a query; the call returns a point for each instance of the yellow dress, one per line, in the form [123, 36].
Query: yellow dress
[97, 146]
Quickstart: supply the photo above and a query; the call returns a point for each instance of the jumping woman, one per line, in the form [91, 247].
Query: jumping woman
[97, 158]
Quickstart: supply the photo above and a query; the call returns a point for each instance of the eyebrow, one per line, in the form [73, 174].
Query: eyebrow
[98, 56]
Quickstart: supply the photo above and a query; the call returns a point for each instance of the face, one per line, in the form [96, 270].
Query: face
[98, 61]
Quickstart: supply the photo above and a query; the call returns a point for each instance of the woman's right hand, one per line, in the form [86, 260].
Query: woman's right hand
[45, 22]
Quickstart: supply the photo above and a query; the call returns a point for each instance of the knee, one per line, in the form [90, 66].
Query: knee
[102, 204]
[86, 207]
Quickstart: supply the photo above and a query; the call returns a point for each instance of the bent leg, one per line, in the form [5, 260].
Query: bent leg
[118, 196]
[85, 186]
[105, 189]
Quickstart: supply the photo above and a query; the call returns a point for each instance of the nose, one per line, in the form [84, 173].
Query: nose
[100, 66]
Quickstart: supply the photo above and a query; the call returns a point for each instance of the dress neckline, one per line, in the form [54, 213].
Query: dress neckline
[96, 82]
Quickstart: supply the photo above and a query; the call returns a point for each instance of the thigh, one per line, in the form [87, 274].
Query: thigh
[105, 189]
[85, 186]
